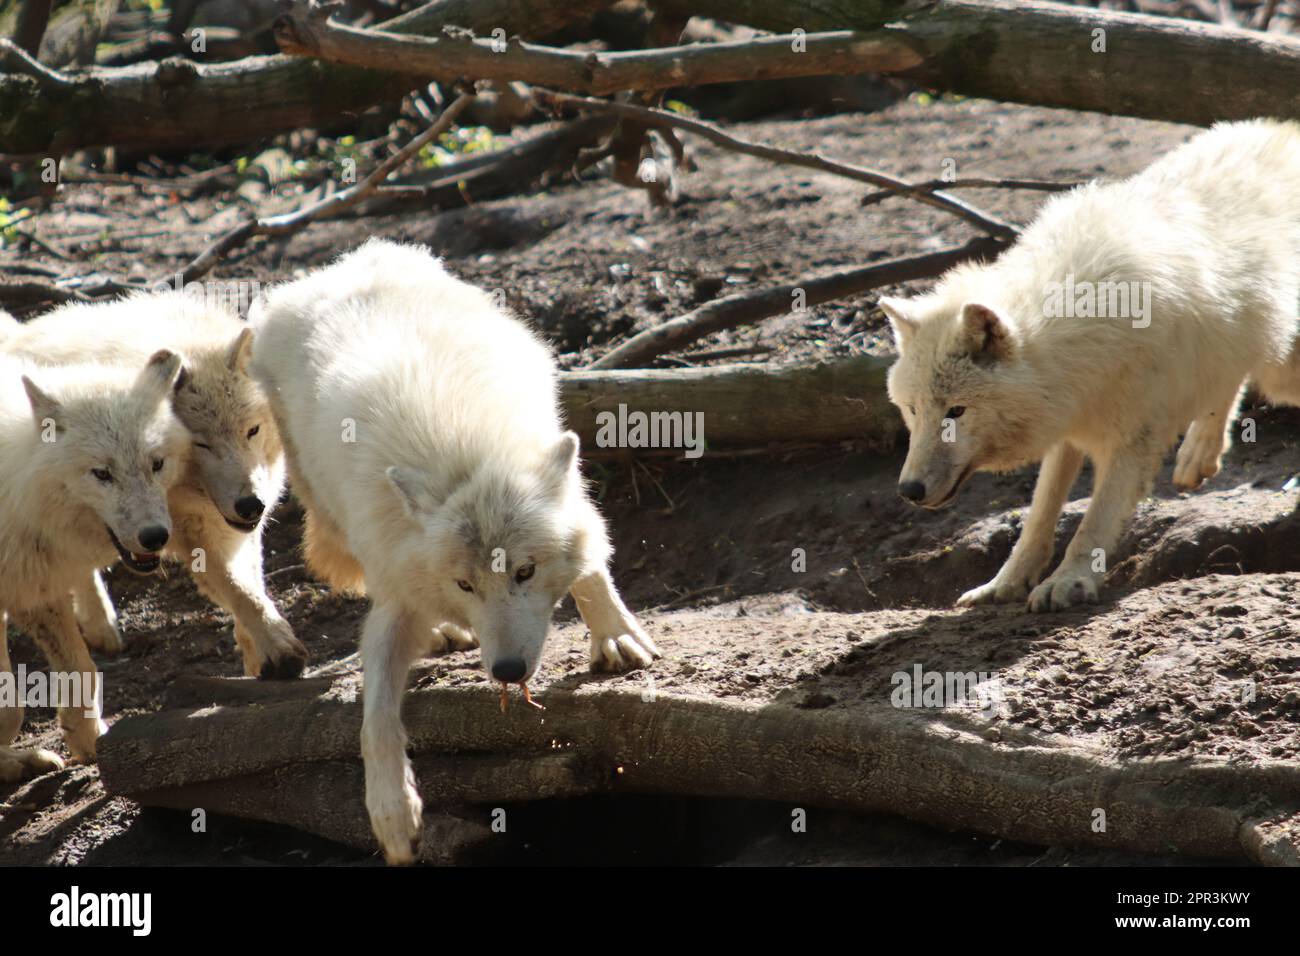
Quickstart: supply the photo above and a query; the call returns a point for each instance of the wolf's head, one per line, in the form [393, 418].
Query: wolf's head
[236, 445]
[955, 383]
[498, 549]
[117, 453]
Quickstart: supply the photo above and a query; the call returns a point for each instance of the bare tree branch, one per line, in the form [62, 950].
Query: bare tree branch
[19, 295]
[663, 119]
[16, 59]
[290, 223]
[747, 307]
[307, 31]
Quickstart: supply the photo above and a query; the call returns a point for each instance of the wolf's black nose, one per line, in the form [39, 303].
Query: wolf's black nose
[911, 490]
[153, 537]
[249, 507]
[509, 669]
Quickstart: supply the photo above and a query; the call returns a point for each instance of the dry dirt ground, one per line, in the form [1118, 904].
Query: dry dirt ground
[1201, 601]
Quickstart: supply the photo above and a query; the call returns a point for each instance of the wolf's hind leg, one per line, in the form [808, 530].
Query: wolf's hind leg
[1033, 550]
[96, 615]
[54, 628]
[18, 763]
[618, 642]
[1208, 437]
[390, 642]
[447, 637]
[1280, 383]
[325, 549]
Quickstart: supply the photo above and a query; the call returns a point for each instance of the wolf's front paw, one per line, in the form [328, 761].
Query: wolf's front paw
[1012, 583]
[1199, 457]
[1066, 588]
[278, 656]
[625, 648]
[19, 764]
[396, 816]
[997, 591]
[82, 738]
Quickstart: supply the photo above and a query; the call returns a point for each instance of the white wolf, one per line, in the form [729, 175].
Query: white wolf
[233, 472]
[997, 368]
[87, 455]
[423, 438]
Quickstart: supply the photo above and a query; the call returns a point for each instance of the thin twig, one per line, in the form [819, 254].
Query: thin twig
[293, 222]
[662, 118]
[740, 351]
[43, 244]
[930, 186]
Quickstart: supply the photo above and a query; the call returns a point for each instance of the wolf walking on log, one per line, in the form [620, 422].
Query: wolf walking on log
[423, 437]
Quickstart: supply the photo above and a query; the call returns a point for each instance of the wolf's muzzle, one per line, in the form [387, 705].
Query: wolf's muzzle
[146, 563]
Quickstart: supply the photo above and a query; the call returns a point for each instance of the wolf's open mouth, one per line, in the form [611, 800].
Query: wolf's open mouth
[952, 492]
[244, 526]
[139, 563]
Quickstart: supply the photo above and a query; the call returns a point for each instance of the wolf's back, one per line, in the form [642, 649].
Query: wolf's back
[122, 332]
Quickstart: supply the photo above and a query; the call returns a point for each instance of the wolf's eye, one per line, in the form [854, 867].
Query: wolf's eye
[254, 430]
[524, 573]
[911, 409]
[957, 411]
[465, 586]
[103, 474]
[199, 444]
[157, 464]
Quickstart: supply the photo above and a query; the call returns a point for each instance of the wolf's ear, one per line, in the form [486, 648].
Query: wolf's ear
[240, 349]
[413, 488]
[44, 407]
[160, 373]
[987, 335]
[901, 320]
[563, 455]
[256, 309]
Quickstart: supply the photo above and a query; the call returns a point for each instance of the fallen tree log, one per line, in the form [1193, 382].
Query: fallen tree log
[178, 103]
[1034, 53]
[1050, 54]
[742, 405]
[829, 736]
[1042, 53]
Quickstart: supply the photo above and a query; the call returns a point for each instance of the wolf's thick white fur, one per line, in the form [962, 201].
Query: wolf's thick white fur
[235, 461]
[58, 427]
[423, 437]
[1213, 228]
